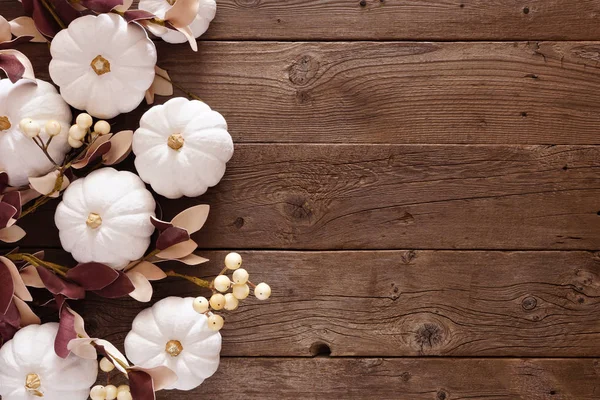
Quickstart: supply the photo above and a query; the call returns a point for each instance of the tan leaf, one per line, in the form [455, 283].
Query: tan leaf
[114, 353]
[79, 324]
[155, 29]
[21, 290]
[162, 85]
[28, 74]
[24, 26]
[192, 259]
[11, 234]
[120, 147]
[28, 194]
[162, 376]
[187, 32]
[82, 347]
[28, 317]
[31, 277]
[125, 6]
[5, 35]
[149, 270]
[143, 288]
[178, 250]
[192, 219]
[100, 141]
[46, 184]
[149, 95]
[182, 13]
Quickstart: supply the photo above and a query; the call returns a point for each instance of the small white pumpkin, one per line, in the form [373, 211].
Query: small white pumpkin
[182, 147]
[30, 367]
[103, 64]
[206, 13]
[105, 217]
[172, 334]
[20, 158]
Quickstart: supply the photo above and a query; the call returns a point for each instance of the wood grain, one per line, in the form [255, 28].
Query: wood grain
[397, 303]
[406, 379]
[393, 197]
[371, 92]
[397, 20]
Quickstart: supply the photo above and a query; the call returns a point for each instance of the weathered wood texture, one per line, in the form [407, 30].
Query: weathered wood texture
[398, 303]
[397, 19]
[535, 93]
[394, 379]
[394, 197]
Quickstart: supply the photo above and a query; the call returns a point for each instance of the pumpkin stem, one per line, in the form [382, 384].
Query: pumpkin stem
[100, 65]
[173, 347]
[175, 141]
[4, 123]
[93, 220]
[32, 384]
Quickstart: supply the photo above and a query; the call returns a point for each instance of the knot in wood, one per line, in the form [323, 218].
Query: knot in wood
[429, 335]
[248, 3]
[441, 395]
[529, 303]
[303, 70]
[298, 208]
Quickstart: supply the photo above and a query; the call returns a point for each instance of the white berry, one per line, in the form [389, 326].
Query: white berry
[102, 127]
[98, 392]
[74, 143]
[231, 303]
[241, 291]
[84, 121]
[240, 276]
[111, 392]
[215, 322]
[124, 396]
[106, 365]
[217, 301]
[200, 305]
[123, 388]
[76, 132]
[52, 128]
[222, 283]
[30, 128]
[262, 291]
[233, 261]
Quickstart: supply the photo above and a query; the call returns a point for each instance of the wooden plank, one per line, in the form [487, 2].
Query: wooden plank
[397, 303]
[397, 20]
[370, 92]
[394, 197]
[406, 379]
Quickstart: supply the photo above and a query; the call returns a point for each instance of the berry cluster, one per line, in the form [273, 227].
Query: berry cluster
[83, 123]
[240, 289]
[109, 392]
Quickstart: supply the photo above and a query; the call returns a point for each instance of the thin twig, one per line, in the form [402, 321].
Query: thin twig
[189, 94]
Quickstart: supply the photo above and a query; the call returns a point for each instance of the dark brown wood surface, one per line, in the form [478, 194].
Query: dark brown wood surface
[418, 181]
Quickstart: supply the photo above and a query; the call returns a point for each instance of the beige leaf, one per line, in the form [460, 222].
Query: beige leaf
[28, 74]
[161, 376]
[183, 13]
[120, 147]
[149, 95]
[78, 323]
[178, 250]
[187, 32]
[27, 195]
[192, 219]
[114, 354]
[21, 290]
[46, 184]
[83, 161]
[28, 317]
[149, 270]
[192, 259]
[82, 347]
[24, 26]
[162, 85]
[11, 234]
[5, 35]
[125, 6]
[155, 29]
[31, 277]
[143, 288]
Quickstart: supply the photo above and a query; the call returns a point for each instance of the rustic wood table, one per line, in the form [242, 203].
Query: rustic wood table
[419, 182]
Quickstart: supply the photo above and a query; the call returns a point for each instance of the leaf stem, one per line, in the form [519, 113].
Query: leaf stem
[189, 94]
[193, 279]
[33, 260]
[52, 12]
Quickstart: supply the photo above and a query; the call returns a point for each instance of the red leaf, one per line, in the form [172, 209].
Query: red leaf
[44, 21]
[100, 147]
[66, 332]
[57, 285]
[137, 15]
[7, 212]
[141, 385]
[13, 43]
[122, 286]
[171, 236]
[7, 331]
[160, 225]
[101, 6]
[3, 181]
[11, 65]
[14, 199]
[93, 275]
[7, 288]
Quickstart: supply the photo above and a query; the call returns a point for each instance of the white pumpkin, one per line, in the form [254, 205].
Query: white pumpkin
[103, 64]
[105, 217]
[206, 13]
[29, 366]
[172, 334]
[182, 147]
[20, 158]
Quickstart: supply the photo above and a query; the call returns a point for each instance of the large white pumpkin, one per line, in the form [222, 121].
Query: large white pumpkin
[20, 158]
[171, 333]
[28, 364]
[206, 13]
[105, 217]
[182, 147]
[103, 64]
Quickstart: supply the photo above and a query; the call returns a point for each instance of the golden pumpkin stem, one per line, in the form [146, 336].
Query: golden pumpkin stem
[175, 141]
[171, 2]
[93, 220]
[4, 123]
[100, 65]
[32, 384]
[174, 348]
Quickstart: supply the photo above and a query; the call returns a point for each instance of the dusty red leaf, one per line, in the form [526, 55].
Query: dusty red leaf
[101, 6]
[7, 212]
[3, 181]
[20, 290]
[171, 236]
[160, 225]
[92, 275]
[15, 42]
[12, 66]
[162, 376]
[122, 286]
[14, 199]
[31, 277]
[137, 15]
[66, 332]
[100, 147]
[44, 21]
[11, 315]
[57, 285]
[7, 288]
[141, 385]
